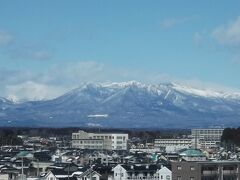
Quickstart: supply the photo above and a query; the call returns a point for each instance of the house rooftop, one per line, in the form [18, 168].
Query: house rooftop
[192, 153]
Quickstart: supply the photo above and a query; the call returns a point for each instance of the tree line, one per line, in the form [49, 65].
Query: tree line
[231, 138]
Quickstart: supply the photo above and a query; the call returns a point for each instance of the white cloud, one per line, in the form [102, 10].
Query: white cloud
[32, 91]
[20, 85]
[171, 22]
[57, 80]
[90, 71]
[228, 34]
[5, 38]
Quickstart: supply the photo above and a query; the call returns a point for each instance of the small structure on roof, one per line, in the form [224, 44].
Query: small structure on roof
[192, 155]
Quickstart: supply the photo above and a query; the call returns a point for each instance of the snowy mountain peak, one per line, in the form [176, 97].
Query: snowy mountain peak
[158, 89]
[124, 84]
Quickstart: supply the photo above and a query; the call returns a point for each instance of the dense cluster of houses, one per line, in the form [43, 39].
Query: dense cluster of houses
[113, 156]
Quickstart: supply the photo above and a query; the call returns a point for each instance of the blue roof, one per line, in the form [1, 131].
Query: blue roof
[192, 153]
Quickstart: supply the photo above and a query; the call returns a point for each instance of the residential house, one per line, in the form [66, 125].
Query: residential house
[142, 171]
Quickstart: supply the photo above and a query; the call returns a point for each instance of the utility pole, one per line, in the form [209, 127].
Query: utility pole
[68, 171]
[121, 174]
[22, 168]
[90, 170]
[37, 167]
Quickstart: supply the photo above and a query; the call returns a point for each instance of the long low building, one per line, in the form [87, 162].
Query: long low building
[172, 145]
[106, 141]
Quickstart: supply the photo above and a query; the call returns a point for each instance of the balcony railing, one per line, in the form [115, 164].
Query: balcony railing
[206, 172]
[229, 172]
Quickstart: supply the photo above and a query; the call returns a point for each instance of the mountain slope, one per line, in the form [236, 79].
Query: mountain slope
[128, 104]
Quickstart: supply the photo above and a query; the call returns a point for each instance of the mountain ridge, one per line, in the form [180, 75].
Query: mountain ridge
[127, 104]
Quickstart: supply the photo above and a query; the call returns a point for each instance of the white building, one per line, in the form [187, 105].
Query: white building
[4, 177]
[89, 175]
[147, 172]
[107, 141]
[172, 145]
[206, 138]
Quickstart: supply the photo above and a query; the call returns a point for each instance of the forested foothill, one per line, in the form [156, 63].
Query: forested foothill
[231, 137]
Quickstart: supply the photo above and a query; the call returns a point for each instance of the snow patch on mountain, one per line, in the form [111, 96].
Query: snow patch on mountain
[209, 93]
[97, 116]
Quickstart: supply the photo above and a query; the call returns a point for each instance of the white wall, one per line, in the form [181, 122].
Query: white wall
[165, 174]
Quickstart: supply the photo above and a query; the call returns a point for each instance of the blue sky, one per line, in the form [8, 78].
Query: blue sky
[50, 47]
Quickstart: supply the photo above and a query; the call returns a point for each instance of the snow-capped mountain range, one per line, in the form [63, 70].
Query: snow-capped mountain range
[127, 105]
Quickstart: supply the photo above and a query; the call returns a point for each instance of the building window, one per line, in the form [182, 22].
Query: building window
[179, 168]
[167, 177]
[179, 178]
[192, 168]
[191, 178]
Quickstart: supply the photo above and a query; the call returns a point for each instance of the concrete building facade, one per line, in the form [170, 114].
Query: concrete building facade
[172, 145]
[206, 170]
[104, 141]
[206, 138]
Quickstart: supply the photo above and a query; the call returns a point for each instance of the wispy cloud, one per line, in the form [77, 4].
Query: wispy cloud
[228, 34]
[174, 21]
[15, 49]
[27, 52]
[5, 38]
[198, 39]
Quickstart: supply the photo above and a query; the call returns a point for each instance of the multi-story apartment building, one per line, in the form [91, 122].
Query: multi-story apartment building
[206, 170]
[206, 138]
[107, 141]
[172, 145]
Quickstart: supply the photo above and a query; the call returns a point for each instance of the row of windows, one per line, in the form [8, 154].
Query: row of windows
[103, 137]
[156, 177]
[89, 147]
[192, 168]
[88, 142]
[180, 178]
[93, 147]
